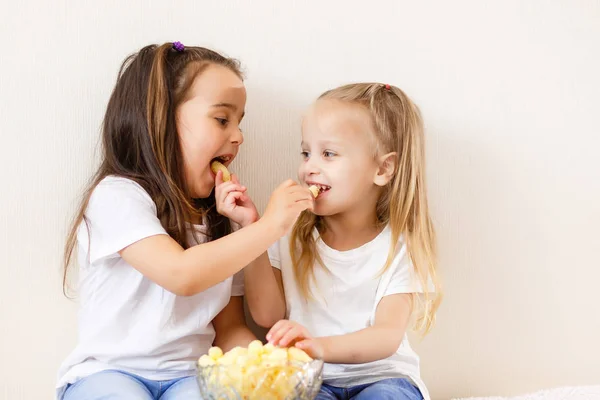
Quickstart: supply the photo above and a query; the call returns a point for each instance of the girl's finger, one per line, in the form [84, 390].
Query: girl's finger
[232, 198]
[230, 187]
[290, 336]
[303, 344]
[287, 184]
[278, 325]
[277, 335]
[219, 178]
[223, 191]
[299, 189]
[301, 195]
[310, 347]
[302, 205]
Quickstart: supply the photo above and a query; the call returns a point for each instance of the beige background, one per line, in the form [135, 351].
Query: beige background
[510, 94]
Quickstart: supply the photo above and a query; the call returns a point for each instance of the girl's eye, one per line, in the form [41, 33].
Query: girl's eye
[305, 154]
[222, 121]
[328, 153]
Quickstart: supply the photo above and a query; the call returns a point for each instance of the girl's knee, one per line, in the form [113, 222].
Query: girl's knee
[186, 388]
[107, 385]
[390, 389]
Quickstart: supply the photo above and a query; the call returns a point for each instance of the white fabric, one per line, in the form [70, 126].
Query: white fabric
[565, 393]
[346, 298]
[126, 321]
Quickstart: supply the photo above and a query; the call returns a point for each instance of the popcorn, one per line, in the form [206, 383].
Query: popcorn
[257, 372]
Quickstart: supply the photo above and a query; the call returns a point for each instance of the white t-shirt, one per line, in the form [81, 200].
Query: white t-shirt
[345, 301]
[126, 321]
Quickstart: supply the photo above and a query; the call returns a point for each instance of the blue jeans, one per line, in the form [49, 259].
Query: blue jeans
[387, 389]
[119, 385]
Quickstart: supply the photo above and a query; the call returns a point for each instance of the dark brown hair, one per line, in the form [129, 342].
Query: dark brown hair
[140, 140]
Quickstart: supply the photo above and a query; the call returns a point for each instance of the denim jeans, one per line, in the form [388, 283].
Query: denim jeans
[387, 389]
[119, 385]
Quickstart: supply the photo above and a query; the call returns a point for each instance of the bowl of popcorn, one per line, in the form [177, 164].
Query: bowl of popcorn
[259, 373]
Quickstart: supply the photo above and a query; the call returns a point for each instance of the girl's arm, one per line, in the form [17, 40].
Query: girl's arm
[370, 344]
[191, 271]
[230, 326]
[264, 292]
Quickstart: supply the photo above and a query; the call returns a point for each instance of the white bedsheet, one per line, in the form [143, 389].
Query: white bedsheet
[566, 393]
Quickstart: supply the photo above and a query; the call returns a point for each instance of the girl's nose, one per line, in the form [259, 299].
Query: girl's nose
[237, 137]
[311, 167]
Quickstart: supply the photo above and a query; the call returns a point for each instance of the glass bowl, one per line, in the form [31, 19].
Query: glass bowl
[289, 380]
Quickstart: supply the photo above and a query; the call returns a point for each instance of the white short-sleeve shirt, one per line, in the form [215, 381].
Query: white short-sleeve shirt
[345, 300]
[126, 321]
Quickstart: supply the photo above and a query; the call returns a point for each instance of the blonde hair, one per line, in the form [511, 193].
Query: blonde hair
[403, 204]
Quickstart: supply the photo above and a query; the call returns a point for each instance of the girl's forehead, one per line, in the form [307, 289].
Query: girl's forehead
[217, 84]
[334, 120]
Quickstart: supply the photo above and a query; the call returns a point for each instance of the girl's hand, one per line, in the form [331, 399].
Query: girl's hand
[286, 204]
[285, 333]
[233, 202]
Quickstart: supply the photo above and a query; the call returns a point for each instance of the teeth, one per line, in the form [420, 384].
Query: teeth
[320, 187]
[315, 190]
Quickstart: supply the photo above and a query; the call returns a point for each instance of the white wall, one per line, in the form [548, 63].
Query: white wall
[509, 91]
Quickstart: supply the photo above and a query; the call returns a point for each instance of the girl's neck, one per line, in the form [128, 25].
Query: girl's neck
[196, 220]
[347, 231]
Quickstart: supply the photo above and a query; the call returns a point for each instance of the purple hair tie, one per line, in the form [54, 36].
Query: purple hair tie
[178, 46]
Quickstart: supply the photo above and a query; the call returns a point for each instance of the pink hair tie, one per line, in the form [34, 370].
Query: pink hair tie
[387, 86]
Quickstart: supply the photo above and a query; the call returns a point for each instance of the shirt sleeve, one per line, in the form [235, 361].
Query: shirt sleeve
[120, 212]
[237, 287]
[275, 255]
[403, 278]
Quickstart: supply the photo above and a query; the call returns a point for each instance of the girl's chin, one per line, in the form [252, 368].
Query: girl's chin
[202, 190]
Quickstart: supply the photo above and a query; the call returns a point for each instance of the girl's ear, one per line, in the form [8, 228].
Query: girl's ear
[386, 169]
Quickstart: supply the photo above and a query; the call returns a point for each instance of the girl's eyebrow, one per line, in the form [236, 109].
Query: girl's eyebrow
[324, 143]
[232, 107]
[226, 105]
